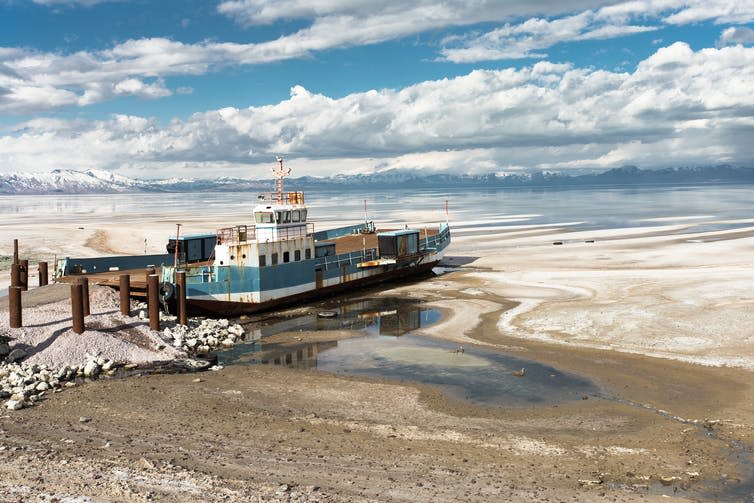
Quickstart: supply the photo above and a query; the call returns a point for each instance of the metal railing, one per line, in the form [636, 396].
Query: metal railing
[242, 233]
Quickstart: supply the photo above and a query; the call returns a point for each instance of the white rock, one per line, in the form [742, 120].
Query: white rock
[43, 386]
[91, 369]
[14, 404]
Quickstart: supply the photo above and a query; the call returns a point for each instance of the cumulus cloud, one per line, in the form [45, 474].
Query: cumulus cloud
[33, 81]
[736, 35]
[679, 106]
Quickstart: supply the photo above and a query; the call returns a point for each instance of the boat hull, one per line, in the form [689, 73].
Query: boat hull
[217, 307]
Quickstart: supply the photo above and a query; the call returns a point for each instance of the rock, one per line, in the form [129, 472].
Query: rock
[14, 404]
[91, 369]
[4, 349]
[108, 365]
[84, 419]
[16, 355]
[143, 464]
[43, 386]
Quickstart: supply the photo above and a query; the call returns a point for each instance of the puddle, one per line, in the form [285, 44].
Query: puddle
[385, 348]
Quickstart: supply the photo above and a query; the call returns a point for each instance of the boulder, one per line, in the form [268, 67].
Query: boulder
[16, 355]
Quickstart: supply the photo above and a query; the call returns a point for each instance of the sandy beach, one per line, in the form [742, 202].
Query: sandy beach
[658, 317]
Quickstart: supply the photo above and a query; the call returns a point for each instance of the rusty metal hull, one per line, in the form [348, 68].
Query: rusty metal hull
[225, 308]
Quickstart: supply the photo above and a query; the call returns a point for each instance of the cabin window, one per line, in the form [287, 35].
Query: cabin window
[279, 217]
[308, 253]
[303, 215]
[262, 260]
[264, 218]
[286, 257]
[286, 217]
[295, 215]
[274, 259]
[297, 255]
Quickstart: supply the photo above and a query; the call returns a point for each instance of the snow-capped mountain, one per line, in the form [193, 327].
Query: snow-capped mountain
[104, 182]
[68, 182]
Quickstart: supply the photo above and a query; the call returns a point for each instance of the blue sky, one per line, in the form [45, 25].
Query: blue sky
[158, 89]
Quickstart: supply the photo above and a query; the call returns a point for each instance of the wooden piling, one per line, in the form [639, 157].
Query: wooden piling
[24, 277]
[15, 275]
[15, 251]
[43, 276]
[153, 301]
[125, 294]
[180, 280]
[85, 294]
[14, 306]
[77, 307]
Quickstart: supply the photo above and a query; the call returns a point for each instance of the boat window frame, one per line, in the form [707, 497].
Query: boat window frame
[259, 216]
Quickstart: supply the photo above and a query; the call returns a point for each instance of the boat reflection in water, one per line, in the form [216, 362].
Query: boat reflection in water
[382, 345]
[368, 317]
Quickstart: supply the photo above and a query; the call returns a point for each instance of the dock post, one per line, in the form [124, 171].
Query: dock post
[77, 307]
[125, 294]
[43, 277]
[85, 294]
[15, 251]
[180, 280]
[153, 301]
[15, 275]
[14, 306]
[24, 276]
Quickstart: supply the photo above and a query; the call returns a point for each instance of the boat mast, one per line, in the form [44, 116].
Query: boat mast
[280, 173]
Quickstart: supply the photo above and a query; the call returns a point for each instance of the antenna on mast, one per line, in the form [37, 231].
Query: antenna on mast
[280, 173]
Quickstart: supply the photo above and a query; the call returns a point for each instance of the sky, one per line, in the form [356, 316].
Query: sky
[209, 89]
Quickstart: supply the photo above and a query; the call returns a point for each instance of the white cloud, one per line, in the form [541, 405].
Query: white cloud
[530, 38]
[32, 81]
[736, 35]
[679, 106]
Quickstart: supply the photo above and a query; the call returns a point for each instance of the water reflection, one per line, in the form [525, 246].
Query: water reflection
[384, 347]
[383, 316]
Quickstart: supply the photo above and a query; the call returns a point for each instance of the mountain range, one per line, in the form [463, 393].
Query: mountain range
[105, 182]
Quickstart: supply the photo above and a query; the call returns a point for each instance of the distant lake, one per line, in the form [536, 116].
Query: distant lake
[583, 208]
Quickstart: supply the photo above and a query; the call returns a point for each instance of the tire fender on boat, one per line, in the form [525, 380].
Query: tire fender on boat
[167, 290]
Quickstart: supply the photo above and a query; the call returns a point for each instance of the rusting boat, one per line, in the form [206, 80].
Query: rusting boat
[279, 258]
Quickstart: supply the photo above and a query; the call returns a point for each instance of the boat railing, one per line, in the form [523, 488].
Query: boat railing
[292, 198]
[242, 233]
[350, 258]
[434, 241]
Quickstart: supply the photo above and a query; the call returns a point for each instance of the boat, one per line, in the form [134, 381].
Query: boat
[279, 258]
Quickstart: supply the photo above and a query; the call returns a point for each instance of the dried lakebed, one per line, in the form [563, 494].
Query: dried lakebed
[267, 432]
